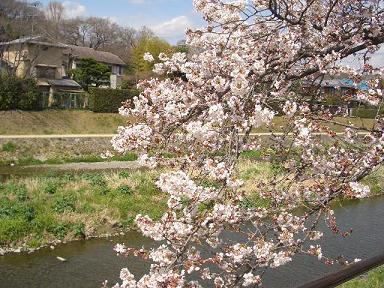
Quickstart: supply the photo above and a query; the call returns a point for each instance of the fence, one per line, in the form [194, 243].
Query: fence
[348, 273]
[66, 100]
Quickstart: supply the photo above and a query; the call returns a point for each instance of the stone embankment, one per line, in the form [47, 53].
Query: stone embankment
[43, 148]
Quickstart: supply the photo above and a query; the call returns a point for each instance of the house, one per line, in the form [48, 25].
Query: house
[74, 54]
[343, 86]
[49, 63]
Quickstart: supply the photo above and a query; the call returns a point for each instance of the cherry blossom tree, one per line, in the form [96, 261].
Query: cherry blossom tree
[257, 58]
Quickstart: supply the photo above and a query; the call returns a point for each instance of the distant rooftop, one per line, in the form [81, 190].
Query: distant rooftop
[72, 50]
[181, 43]
[100, 56]
[40, 40]
[345, 83]
[64, 82]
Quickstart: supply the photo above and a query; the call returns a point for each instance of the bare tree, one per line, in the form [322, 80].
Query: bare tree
[18, 19]
[55, 12]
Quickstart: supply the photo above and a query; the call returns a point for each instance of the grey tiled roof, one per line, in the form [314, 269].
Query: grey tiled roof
[33, 40]
[100, 56]
[64, 83]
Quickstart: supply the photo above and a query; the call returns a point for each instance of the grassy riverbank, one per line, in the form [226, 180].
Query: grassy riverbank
[60, 122]
[42, 209]
[28, 160]
[37, 210]
[373, 279]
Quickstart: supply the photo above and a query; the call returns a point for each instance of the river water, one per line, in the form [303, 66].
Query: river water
[91, 262]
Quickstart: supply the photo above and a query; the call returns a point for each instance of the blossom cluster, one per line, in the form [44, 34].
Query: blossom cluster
[256, 60]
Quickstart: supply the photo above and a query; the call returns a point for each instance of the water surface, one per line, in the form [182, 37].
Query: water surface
[89, 263]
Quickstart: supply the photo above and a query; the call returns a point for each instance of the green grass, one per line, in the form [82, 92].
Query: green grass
[376, 181]
[58, 122]
[279, 123]
[30, 160]
[37, 210]
[374, 279]
[85, 122]
[9, 147]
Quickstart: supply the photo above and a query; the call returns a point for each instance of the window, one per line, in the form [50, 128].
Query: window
[45, 72]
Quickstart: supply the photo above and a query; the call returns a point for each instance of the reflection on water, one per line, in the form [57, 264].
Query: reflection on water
[89, 263]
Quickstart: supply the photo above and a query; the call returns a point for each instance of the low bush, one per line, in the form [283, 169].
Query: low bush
[109, 100]
[9, 147]
[60, 231]
[365, 112]
[51, 187]
[79, 230]
[12, 209]
[96, 179]
[124, 190]
[65, 203]
[20, 94]
[18, 190]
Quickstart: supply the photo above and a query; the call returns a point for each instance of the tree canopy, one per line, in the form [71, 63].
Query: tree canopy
[221, 229]
[148, 44]
[89, 72]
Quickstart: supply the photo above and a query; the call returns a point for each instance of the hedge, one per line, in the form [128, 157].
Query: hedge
[364, 112]
[108, 100]
[20, 94]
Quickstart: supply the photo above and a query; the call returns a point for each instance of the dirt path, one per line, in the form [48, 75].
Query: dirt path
[56, 136]
[69, 167]
[111, 135]
[86, 166]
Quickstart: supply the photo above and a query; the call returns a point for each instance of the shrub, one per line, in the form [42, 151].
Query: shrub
[96, 179]
[124, 189]
[12, 210]
[19, 94]
[108, 100]
[12, 229]
[10, 91]
[65, 203]
[60, 231]
[9, 147]
[79, 230]
[31, 98]
[20, 191]
[364, 112]
[51, 187]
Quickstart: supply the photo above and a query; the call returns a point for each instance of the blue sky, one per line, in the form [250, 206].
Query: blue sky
[168, 18]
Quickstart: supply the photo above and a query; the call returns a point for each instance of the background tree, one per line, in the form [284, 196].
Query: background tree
[55, 12]
[19, 18]
[89, 72]
[148, 43]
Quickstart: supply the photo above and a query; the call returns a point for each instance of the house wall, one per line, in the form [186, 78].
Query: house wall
[47, 55]
[26, 57]
[16, 57]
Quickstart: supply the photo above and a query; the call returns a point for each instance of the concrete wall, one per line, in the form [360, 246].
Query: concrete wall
[44, 149]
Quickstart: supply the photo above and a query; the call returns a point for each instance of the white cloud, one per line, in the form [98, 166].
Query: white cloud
[174, 29]
[74, 9]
